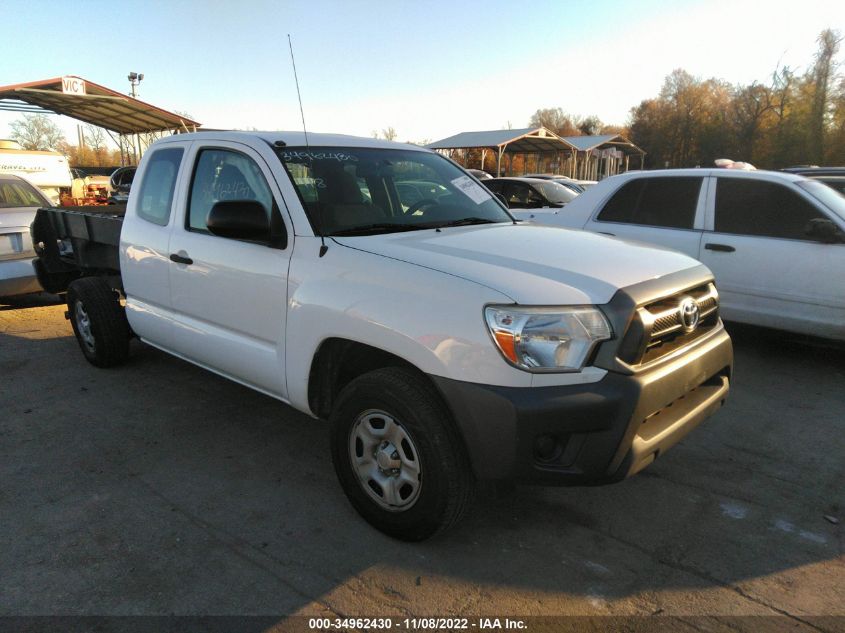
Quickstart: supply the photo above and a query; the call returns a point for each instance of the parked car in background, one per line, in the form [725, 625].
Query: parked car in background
[831, 176]
[566, 181]
[775, 241]
[582, 184]
[19, 200]
[121, 182]
[480, 174]
[531, 193]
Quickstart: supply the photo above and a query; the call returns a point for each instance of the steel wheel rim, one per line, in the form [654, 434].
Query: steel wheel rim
[385, 460]
[83, 326]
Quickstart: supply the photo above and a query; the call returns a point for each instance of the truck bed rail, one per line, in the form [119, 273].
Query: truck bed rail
[75, 241]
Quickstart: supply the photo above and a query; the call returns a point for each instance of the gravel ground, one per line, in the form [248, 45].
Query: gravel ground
[159, 488]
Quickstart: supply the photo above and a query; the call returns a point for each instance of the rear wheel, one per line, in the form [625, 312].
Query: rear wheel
[99, 321]
[398, 456]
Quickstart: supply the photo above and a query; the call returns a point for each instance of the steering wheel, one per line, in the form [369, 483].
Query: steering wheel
[121, 178]
[419, 204]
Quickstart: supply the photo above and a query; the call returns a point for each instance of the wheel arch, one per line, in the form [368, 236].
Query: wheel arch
[337, 361]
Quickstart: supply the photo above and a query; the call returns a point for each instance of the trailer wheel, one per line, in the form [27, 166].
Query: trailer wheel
[99, 322]
[398, 457]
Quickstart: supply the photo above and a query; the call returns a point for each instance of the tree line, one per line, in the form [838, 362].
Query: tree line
[793, 118]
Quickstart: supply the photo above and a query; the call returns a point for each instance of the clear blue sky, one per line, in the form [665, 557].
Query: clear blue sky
[428, 68]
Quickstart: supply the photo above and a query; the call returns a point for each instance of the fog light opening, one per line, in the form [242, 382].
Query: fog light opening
[547, 448]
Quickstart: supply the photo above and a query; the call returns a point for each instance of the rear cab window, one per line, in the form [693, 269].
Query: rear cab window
[155, 196]
[667, 202]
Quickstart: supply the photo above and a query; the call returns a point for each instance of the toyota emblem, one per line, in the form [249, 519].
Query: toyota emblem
[690, 314]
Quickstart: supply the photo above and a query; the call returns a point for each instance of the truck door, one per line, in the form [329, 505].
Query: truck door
[229, 296]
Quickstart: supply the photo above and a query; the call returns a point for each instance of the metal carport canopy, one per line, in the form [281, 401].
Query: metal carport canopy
[587, 143]
[98, 105]
[525, 140]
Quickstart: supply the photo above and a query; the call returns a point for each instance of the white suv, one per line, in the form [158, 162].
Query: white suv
[774, 241]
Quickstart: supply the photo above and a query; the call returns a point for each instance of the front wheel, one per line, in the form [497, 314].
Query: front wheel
[398, 457]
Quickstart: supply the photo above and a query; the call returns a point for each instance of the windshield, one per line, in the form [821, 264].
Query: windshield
[555, 192]
[824, 194]
[349, 190]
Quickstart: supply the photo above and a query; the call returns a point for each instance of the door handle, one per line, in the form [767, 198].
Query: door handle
[606, 233]
[720, 247]
[179, 259]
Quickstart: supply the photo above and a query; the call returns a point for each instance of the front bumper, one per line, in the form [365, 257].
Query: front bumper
[594, 433]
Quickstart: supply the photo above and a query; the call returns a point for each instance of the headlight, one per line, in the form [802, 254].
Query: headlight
[546, 339]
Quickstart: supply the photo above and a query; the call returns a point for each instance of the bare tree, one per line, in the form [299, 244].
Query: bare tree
[36, 132]
[588, 125]
[95, 137]
[389, 134]
[823, 75]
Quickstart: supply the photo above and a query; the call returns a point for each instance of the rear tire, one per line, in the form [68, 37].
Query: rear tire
[398, 456]
[99, 322]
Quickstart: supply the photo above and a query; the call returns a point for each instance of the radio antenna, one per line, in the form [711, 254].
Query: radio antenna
[323, 247]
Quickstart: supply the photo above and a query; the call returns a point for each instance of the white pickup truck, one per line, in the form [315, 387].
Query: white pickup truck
[379, 286]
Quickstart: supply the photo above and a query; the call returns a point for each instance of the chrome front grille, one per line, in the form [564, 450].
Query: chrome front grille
[665, 315]
[659, 327]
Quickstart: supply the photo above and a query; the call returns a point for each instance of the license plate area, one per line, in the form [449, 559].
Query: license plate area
[11, 244]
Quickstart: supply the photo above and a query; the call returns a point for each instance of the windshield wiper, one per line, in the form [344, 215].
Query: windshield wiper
[379, 227]
[466, 222]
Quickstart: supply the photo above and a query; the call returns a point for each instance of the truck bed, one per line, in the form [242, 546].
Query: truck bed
[76, 241]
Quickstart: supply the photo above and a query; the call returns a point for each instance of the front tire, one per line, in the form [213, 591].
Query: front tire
[398, 457]
[99, 322]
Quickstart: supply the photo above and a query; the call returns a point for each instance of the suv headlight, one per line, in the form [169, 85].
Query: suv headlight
[547, 339]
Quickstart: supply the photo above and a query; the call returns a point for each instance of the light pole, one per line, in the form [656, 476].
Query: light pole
[134, 79]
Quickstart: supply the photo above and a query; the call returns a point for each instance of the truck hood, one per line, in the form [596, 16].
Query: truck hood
[539, 265]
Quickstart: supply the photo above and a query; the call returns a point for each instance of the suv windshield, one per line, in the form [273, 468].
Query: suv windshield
[353, 190]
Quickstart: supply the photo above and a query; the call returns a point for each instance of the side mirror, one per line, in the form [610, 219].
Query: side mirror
[823, 230]
[239, 220]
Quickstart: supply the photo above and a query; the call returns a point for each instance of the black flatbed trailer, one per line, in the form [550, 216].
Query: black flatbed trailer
[73, 242]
